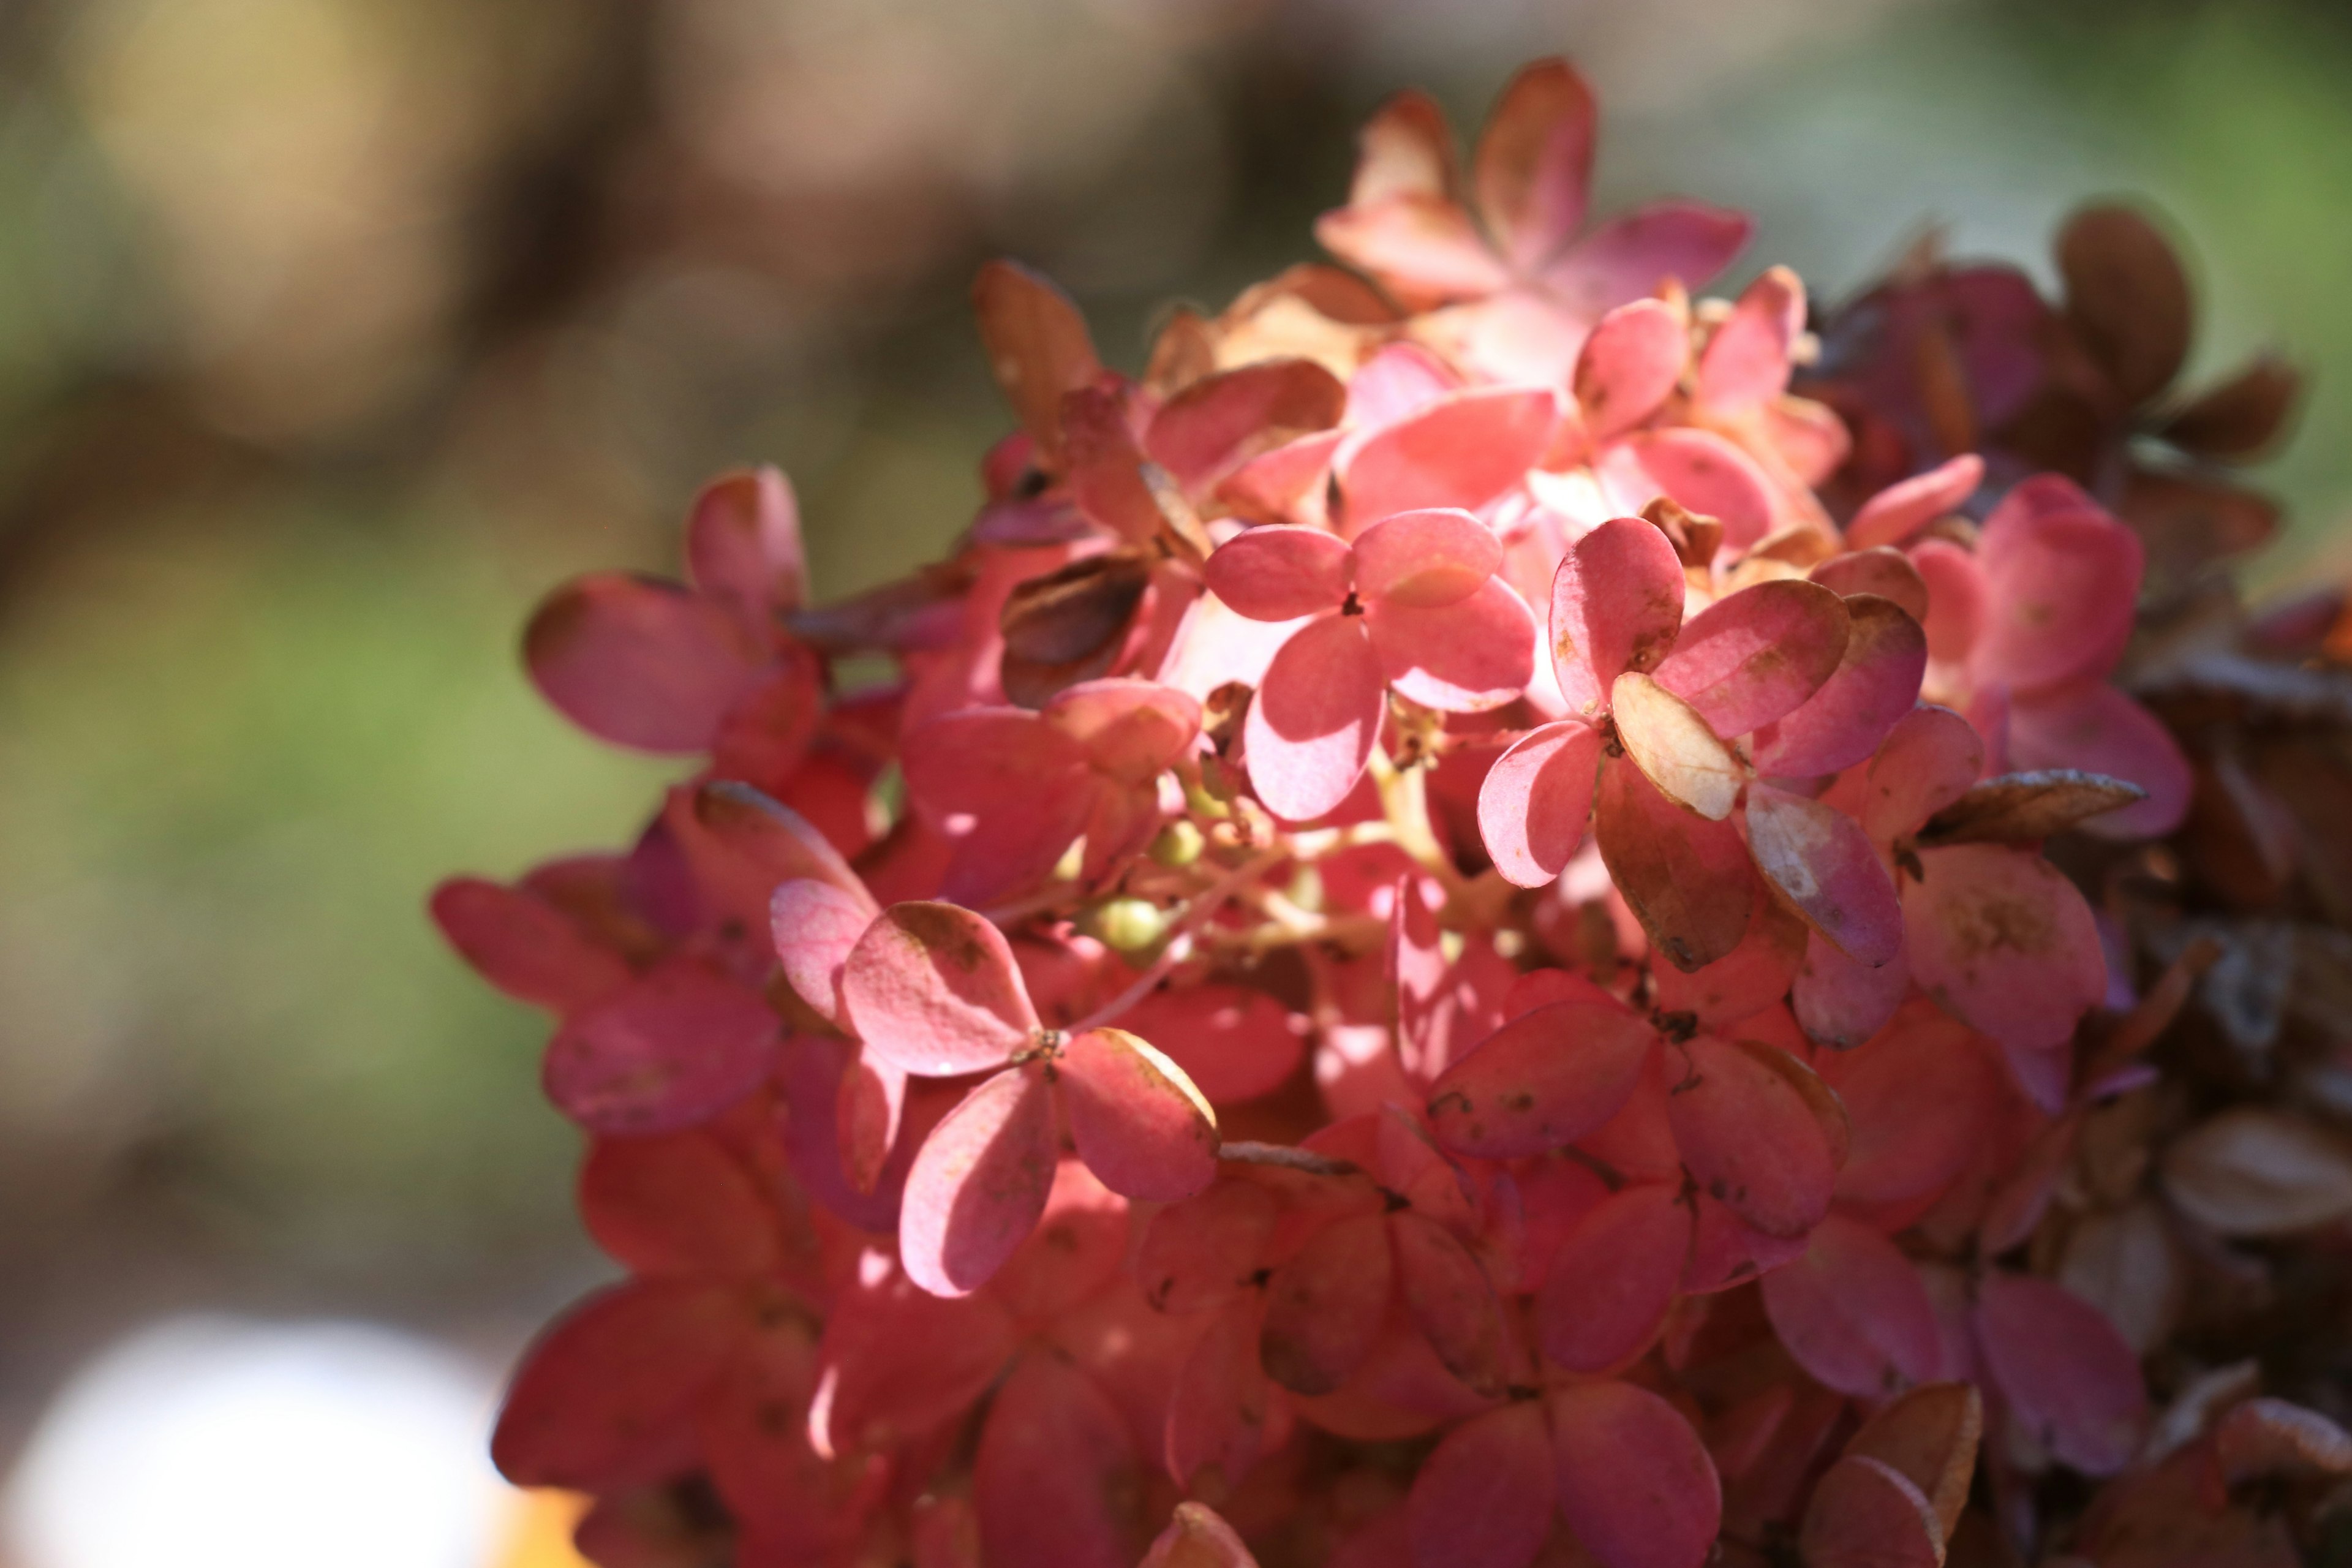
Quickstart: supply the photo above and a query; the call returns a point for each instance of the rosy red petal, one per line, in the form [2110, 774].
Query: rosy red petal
[770, 841]
[679, 1204]
[1743, 982]
[1325, 1307]
[743, 538]
[1876, 682]
[1883, 571]
[1079, 1245]
[1727, 1251]
[1200, 1252]
[1697, 469]
[1750, 1137]
[1616, 605]
[1542, 1080]
[638, 661]
[935, 991]
[870, 1109]
[605, 1396]
[1866, 1514]
[1464, 657]
[979, 1183]
[1130, 730]
[1688, 881]
[1422, 560]
[2064, 587]
[1922, 1099]
[1426, 244]
[2004, 942]
[1629, 366]
[1221, 1404]
[1927, 762]
[1233, 1043]
[1219, 422]
[1900, 511]
[1959, 600]
[815, 927]
[1534, 163]
[675, 1047]
[1138, 1121]
[1635, 1483]
[1842, 1001]
[1746, 360]
[1629, 256]
[524, 945]
[1674, 748]
[1463, 450]
[1853, 1313]
[1056, 1482]
[1196, 1538]
[1450, 1299]
[1483, 1499]
[1825, 865]
[2067, 1375]
[1756, 655]
[1536, 800]
[766, 735]
[1315, 719]
[2099, 730]
[1613, 1277]
[1280, 573]
[900, 1361]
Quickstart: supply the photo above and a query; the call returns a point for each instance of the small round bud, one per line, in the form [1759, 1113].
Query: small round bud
[1125, 925]
[1177, 845]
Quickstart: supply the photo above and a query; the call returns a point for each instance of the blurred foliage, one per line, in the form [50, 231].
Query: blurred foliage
[331, 331]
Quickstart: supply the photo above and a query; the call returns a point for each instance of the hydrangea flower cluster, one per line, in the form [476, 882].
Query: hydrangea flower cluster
[1436, 953]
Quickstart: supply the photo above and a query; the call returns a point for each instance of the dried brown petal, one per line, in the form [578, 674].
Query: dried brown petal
[2270, 1437]
[2021, 808]
[2126, 299]
[1069, 626]
[1930, 1437]
[2237, 419]
[1038, 347]
[2125, 1264]
[2251, 1172]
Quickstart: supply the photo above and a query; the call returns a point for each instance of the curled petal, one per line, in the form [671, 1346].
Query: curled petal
[1137, 1119]
[1613, 1277]
[1754, 656]
[2097, 729]
[1422, 560]
[1315, 719]
[1853, 1312]
[1542, 1080]
[1823, 862]
[979, 1183]
[1630, 364]
[1462, 657]
[1672, 745]
[1616, 605]
[1537, 799]
[1635, 1483]
[935, 991]
[1750, 1137]
[1463, 450]
[1900, 511]
[1876, 682]
[1325, 1307]
[1483, 1497]
[673, 1048]
[640, 662]
[1197, 1538]
[2068, 1376]
[1929, 1439]
[1689, 881]
[2004, 942]
[1280, 573]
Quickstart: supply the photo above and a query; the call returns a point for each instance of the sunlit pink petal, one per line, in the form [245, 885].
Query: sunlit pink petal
[1315, 719]
[1464, 657]
[1138, 1121]
[979, 1183]
[2003, 942]
[1279, 572]
[1629, 256]
[743, 539]
[2063, 586]
[1876, 682]
[1747, 360]
[1219, 422]
[1697, 469]
[1900, 511]
[524, 945]
[1928, 760]
[1536, 801]
[1616, 605]
[1460, 451]
[1422, 560]
[1630, 364]
[1756, 655]
[638, 661]
[934, 990]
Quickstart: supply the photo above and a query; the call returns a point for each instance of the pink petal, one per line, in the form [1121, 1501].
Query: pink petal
[1425, 243]
[2064, 586]
[1131, 730]
[1629, 256]
[1697, 469]
[1746, 360]
[1233, 1043]
[1221, 1404]
[1196, 1538]
[1279, 572]
[1842, 1001]
[1635, 1483]
[1922, 1099]
[680, 1204]
[771, 839]
[1688, 881]
[1750, 1137]
[1423, 560]
[1727, 1251]
[935, 991]
[1483, 1499]
[1616, 605]
[1900, 511]
[1959, 600]
[1057, 1476]
[524, 945]
[1853, 1313]
[1756, 655]
[1022, 781]
[1404, 149]
[2069, 1377]
[1866, 1514]
[767, 734]
[1743, 982]
[1876, 682]
[869, 1110]
[1401, 379]
[1465, 658]
[1928, 760]
[1315, 719]
[979, 1183]
[1104, 477]
[1137, 1119]
[1534, 163]
[1203, 1251]
[1038, 347]
[1542, 1080]
[1825, 866]
[1220, 422]
[1325, 1307]
[1630, 364]
[1613, 1277]
[675, 1047]
[743, 539]
[1460, 451]
[639, 662]
[1882, 570]
[2099, 730]
[1674, 748]
[1450, 1300]
[2004, 942]
[815, 927]
[1537, 799]
[902, 1361]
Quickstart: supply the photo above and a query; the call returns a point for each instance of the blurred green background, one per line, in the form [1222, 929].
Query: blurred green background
[332, 332]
